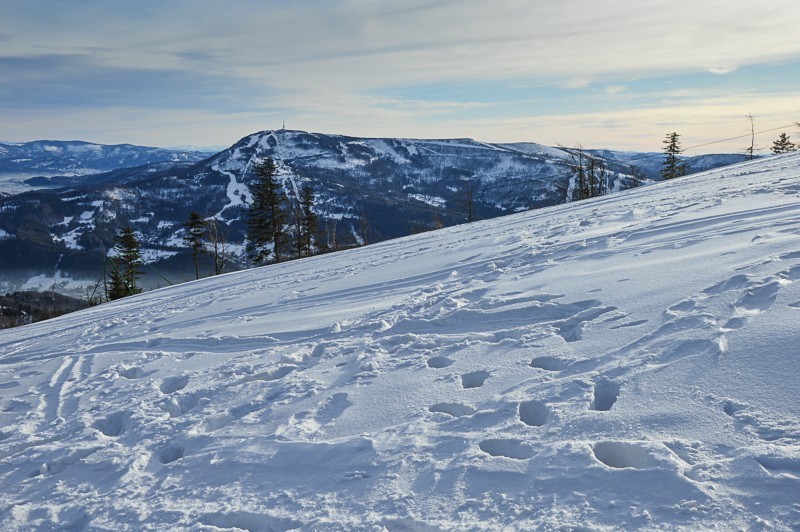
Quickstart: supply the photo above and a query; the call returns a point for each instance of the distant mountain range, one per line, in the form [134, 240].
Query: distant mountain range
[52, 157]
[367, 190]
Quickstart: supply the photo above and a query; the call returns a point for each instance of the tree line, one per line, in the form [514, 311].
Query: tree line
[280, 229]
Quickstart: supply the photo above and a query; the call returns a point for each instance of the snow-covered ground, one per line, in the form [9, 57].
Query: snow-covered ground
[629, 362]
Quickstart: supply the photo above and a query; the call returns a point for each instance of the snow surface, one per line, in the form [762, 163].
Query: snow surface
[628, 362]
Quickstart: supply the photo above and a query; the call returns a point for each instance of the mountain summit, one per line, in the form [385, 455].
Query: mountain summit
[367, 190]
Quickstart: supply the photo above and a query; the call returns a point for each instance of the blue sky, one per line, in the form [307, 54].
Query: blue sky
[614, 74]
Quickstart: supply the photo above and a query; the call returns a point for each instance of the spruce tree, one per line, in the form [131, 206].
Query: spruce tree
[783, 145]
[116, 287]
[194, 237]
[266, 215]
[672, 166]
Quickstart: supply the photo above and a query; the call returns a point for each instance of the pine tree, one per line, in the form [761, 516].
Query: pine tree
[194, 237]
[672, 166]
[783, 145]
[126, 265]
[266, 215]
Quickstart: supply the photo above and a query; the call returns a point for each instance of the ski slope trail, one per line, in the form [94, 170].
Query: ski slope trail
[628, 362]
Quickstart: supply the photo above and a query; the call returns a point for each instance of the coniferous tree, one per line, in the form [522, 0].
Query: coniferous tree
[783, 145]
[672, 166]
[126, 265]
[194, 237]
[116, 287]
[266, 215]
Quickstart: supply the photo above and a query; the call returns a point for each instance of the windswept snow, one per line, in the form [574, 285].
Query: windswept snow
[629, 362]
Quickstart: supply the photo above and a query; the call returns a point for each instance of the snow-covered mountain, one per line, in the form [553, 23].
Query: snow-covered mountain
[628, 362]
[367, 190]
[75, 158]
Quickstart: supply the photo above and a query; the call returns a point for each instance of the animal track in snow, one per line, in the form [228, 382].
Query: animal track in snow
[621, 455]
[605, 395]
[439, 362]
[474, 379]
[508, 448]
[534, 413]
[548, 363]
[173, 384]
[452, 409]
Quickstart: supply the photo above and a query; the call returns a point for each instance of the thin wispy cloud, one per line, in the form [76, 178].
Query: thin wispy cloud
[314, 62]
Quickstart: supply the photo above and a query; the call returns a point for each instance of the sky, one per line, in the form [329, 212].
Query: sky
[616, 74]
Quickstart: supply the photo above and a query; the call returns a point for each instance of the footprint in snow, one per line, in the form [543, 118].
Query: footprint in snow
[606, 393]
[507, 448]
[534, 413]
[623, 455]
[475, 379]
[439, 362]
[758, 299]
[114, 424]
[548, 363]
[132, 373]
[171, 454]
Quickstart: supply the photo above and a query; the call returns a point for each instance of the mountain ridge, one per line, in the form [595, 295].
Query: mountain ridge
[367, 190]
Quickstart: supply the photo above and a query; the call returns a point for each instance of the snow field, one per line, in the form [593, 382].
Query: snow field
[628, 362]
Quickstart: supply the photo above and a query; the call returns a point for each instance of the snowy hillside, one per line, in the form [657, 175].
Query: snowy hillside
[629, 362]
[58, 157]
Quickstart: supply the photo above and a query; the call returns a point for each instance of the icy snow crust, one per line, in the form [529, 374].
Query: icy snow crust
[629, 362]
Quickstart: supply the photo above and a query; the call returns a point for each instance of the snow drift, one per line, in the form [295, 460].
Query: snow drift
[626, 362]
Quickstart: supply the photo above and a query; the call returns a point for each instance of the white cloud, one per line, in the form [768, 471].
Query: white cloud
[721, 70]
[313, 62]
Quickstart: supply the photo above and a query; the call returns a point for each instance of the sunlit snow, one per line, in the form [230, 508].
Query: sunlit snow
[628, 362]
